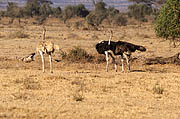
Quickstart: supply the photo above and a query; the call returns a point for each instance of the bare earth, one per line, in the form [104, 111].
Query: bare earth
[86, 91]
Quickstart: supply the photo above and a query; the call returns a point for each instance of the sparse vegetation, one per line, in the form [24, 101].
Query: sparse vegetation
[80, 89]
[73, 11]
[158, 89]
[78, 92]
[139, 11]
[78, 54]
[19, 34]
[31, 84]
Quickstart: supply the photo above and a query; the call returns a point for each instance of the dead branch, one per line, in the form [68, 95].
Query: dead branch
[160, 60]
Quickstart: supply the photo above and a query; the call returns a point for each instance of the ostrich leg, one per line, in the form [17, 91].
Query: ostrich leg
[42, 58]
[50, 61]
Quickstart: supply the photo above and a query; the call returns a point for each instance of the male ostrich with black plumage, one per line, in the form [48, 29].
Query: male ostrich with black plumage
[123, 49]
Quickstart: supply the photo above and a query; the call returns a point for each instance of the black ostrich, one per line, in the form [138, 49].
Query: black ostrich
[123, 49]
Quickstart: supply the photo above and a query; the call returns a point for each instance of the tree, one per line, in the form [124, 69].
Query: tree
[56, 12]
[139, 11]
[32, 8]
[168, 21]
[72, 11]
[14, 11]
[45, 10]
[81, 11]
[96, 17]
[100, 8]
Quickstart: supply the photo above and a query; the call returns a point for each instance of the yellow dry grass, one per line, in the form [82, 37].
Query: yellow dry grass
[86, 91]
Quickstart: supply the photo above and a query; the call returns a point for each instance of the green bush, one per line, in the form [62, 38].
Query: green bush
[72, 11]
[45, 10]
[113, 16]
[32, 8]
[81, 11]
[95, 19]
[56, 12]
[100, 8]
[168, 21]
[120, 20]
[139, 11]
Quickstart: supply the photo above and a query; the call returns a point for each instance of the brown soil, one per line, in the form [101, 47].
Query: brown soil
[85, 90]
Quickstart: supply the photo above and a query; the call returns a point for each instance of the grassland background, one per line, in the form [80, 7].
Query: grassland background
[85, 90]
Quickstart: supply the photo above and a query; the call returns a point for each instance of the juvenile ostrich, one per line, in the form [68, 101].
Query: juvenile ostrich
[124, 49]
[46, 47]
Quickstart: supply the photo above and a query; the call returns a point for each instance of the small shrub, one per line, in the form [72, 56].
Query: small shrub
[19, 34]
[120, 20]
[158, 89]
[78, 92]
[78, 96]
[78, 24]
[40, 20]
[78, 54]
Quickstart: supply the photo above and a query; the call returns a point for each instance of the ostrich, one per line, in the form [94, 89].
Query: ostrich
[123, 49]
[46, 47]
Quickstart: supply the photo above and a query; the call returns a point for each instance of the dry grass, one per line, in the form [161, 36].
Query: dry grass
[85, 90]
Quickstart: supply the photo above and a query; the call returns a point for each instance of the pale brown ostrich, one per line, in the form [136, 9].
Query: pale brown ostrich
[46, 47]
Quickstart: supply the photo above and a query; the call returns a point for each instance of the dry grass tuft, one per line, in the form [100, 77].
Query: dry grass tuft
[78, 92]
[99, 58]
[158, 89]
[30, 83]
[18, 34]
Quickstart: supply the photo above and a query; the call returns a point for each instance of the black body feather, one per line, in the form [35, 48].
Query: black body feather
[118, 48]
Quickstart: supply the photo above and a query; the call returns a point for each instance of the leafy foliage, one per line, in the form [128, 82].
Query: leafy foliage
[96, 17]
[100, 8]
[168, 21]
[139, 11]
[113, 16]
[13, 10]
[81, 11]
[72, 11]
[94, 20]
[32, 8]
[45, 10]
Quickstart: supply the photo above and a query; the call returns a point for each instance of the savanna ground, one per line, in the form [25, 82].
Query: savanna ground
[85, 90]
